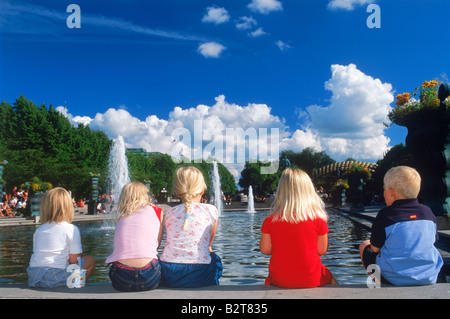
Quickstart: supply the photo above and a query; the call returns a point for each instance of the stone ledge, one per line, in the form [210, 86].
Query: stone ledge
[241, 292]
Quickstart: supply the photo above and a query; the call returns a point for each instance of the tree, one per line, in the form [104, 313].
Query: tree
[262, 183]
[41, 142]
[308, 159]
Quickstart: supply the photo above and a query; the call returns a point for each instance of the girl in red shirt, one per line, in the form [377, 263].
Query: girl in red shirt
[295, 234]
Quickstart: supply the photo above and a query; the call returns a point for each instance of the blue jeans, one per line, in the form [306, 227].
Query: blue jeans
[126, 278]
[191, 275]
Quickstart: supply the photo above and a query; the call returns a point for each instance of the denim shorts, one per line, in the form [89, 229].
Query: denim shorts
[127, 279]
[191, 275]
[48, 277]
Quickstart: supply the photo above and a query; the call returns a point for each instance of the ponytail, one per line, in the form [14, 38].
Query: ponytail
[187, 207]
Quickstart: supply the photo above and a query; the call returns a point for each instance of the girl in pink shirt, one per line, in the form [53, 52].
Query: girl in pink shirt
[135, 265]
[187, 259]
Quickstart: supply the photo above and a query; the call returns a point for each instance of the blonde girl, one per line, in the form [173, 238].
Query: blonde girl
[56, 243]
[187, 259]
[295, 234]
[135, 265]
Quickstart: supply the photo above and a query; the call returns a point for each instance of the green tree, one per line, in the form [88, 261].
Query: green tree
[41, 142]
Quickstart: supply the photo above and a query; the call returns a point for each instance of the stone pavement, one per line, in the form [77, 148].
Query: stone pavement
[232, 292]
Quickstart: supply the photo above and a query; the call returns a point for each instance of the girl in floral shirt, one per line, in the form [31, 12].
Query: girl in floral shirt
[187, 259]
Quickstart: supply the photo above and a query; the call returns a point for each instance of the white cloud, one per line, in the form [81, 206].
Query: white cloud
[211, 49]
[246, 23]
[257, 33]
[352, 124]
[347, 4]
[265, 6]
[216, 15]
[282, 46]
[154, 134]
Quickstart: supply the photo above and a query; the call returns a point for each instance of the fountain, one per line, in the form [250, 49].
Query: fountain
[250, 205]
[117, 175]
[215, 188]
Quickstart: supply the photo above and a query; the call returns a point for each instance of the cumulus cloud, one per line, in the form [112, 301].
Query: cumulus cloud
[352, 124]
[216, 15]
[211, 49]
[265, 6]
[226, 131]
[347, 4]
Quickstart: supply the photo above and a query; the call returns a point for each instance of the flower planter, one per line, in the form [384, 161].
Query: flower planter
[428, 142]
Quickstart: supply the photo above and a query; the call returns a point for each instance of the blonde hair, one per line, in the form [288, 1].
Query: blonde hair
[404, 180]
[296, 199]
[56, 206]
[134, 195]
[188, 183]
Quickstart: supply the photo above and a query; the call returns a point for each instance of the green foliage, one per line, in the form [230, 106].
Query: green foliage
[396, 156]
[263, 184]
[41, 142]
[159, 169]
[308, 159]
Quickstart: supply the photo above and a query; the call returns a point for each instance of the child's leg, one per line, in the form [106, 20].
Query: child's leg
[363, 246]
[89, 264]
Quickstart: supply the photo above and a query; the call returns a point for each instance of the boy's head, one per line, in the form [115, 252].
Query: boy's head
[401, 182]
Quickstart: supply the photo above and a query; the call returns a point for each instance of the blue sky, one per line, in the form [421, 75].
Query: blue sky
[312, 68]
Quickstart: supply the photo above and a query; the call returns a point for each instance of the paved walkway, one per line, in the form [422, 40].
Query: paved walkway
[235, 292]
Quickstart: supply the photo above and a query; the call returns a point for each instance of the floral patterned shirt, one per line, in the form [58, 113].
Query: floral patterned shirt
[190, 246]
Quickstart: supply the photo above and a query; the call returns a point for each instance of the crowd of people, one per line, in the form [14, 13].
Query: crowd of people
[14, 203]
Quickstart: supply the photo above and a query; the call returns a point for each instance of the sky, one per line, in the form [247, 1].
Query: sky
[322, 73]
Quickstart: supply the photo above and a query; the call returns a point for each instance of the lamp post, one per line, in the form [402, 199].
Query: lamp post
[92, 208]
[2, 165]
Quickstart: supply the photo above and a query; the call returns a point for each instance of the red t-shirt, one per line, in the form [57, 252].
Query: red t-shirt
[295, 261]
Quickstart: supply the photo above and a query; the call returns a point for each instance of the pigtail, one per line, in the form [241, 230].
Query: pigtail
[187, 207]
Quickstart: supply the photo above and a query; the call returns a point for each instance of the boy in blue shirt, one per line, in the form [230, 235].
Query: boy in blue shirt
[403, 234]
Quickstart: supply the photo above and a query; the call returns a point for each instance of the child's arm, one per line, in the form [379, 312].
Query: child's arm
[265, 244]
[322, 244]
[213, 234]
[73, 258]
[161, 230]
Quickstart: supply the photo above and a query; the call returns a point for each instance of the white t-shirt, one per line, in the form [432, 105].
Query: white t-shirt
[52, 244]
[190, 246]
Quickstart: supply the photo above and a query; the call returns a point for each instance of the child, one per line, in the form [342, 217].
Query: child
[403, 234]
[138, 234]
[295, 234]
[56, 243]
[187, 259]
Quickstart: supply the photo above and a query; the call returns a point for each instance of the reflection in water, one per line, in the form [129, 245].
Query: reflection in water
[236, 242]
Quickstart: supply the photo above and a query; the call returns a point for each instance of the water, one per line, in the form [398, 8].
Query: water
[117, 175]
[236, 242]
[251, 203]
[216, 187]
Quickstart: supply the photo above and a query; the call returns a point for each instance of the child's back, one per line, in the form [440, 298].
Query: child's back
[406, 233]
[295, 234]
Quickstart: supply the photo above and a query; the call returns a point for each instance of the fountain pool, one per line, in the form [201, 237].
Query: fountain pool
[236, 242]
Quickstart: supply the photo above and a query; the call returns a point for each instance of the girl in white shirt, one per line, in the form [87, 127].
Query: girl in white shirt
[187, 259]
[56, 243]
